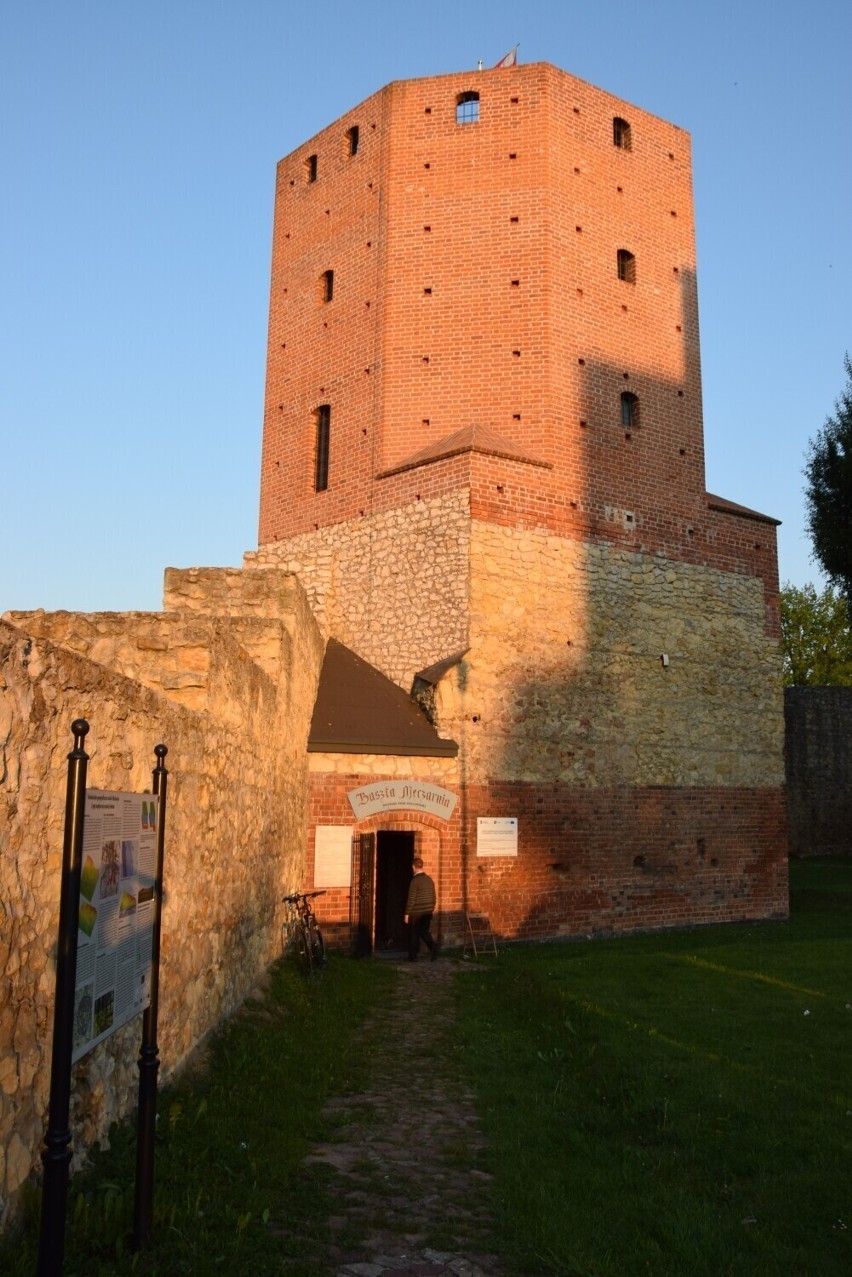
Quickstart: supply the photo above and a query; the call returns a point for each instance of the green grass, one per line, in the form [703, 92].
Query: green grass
[678, 1103]
[654, 1105]
[230, 1196]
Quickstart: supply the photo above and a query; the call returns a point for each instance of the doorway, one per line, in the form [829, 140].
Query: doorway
[394, 854]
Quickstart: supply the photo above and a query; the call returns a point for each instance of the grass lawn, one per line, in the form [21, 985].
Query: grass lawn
[231, 1137]
[678, 1103]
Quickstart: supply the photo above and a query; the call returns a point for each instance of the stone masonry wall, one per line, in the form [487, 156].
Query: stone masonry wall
[564, 679]
[235, 840]
[819, 770]
[393, 587]
[186, 659]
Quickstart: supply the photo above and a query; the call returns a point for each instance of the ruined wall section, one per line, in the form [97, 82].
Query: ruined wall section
[258, 607]
[235, 844]
[165, 653]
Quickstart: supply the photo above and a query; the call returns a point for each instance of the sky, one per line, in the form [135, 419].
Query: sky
[138, 145]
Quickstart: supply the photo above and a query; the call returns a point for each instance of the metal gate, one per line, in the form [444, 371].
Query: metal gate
[361, 896]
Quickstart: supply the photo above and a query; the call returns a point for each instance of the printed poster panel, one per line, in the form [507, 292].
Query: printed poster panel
[497, 836]
[333, 856]
[115, 930]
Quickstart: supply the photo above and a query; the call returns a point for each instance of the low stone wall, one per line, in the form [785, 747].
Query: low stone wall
[819, 770]
[235, 841]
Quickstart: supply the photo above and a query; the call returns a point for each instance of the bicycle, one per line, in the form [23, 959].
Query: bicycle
[300, 932]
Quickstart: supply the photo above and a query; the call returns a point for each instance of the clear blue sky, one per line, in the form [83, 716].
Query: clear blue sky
[138, 146]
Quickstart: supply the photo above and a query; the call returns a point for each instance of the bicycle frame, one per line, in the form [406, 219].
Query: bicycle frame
[300, 929]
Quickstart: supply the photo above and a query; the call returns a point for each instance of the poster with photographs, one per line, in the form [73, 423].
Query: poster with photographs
[115, 929]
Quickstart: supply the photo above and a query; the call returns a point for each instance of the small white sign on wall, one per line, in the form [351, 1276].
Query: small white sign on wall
[497, 836]
[333, 856]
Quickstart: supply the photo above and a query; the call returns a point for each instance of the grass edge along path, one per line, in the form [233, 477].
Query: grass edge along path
[233, 1130]
[674, 1103]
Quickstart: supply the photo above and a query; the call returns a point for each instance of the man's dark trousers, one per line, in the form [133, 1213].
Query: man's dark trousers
[419, 925]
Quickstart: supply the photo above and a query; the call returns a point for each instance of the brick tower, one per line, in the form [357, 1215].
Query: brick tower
[483, 456]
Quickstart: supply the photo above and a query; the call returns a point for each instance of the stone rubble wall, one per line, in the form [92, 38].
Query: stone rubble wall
[564, 679]
[235, 843]
[186, 659]
[391, 586]
[819, 767]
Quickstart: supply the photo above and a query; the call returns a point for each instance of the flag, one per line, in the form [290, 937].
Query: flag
[510, 60]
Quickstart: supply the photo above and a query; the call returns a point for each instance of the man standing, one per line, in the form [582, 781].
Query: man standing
[419, 908]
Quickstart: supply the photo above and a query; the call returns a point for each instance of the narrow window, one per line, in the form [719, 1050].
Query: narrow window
[327, 282]
[323, 420]
[311, 168]
[354, 139]
[629, 410]
[626, 266]
[621, 134]
[467, 108]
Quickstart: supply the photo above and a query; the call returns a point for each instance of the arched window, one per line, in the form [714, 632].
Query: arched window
[467, 108]
[626, 266]
[621, 134]
[327, 285]
[323, 424]
[629, 410]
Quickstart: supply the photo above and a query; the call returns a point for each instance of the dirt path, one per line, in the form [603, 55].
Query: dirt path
[410, 1197]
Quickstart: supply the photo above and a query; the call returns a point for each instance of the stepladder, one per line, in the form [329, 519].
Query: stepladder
[479, 935]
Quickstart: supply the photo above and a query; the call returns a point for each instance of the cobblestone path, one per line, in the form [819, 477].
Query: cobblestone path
[410, 1196]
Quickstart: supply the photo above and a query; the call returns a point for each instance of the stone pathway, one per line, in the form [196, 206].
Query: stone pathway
[408, 1190]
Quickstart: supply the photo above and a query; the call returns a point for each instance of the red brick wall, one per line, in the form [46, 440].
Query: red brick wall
[527, 328]
[325, 352]
[590, 861]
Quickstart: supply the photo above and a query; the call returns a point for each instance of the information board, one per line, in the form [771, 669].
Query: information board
[497, 836]
[116, 915]
[333, 856]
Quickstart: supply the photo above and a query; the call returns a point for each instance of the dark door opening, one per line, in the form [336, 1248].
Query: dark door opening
[394, 854]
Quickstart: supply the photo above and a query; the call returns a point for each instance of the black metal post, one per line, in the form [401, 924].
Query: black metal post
[149, 1054]
[56, 1155]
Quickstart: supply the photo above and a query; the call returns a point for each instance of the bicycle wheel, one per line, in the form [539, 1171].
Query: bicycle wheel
[305, 948]
[317, 947]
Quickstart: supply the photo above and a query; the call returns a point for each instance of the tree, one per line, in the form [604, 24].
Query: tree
[828, 494]
[816, 637]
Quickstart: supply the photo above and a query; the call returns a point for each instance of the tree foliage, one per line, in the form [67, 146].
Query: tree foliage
[828, 494]
[816, 637]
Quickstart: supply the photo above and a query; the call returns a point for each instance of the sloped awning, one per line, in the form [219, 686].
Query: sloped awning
[723, 506]
[360, 711]
[469, 439]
